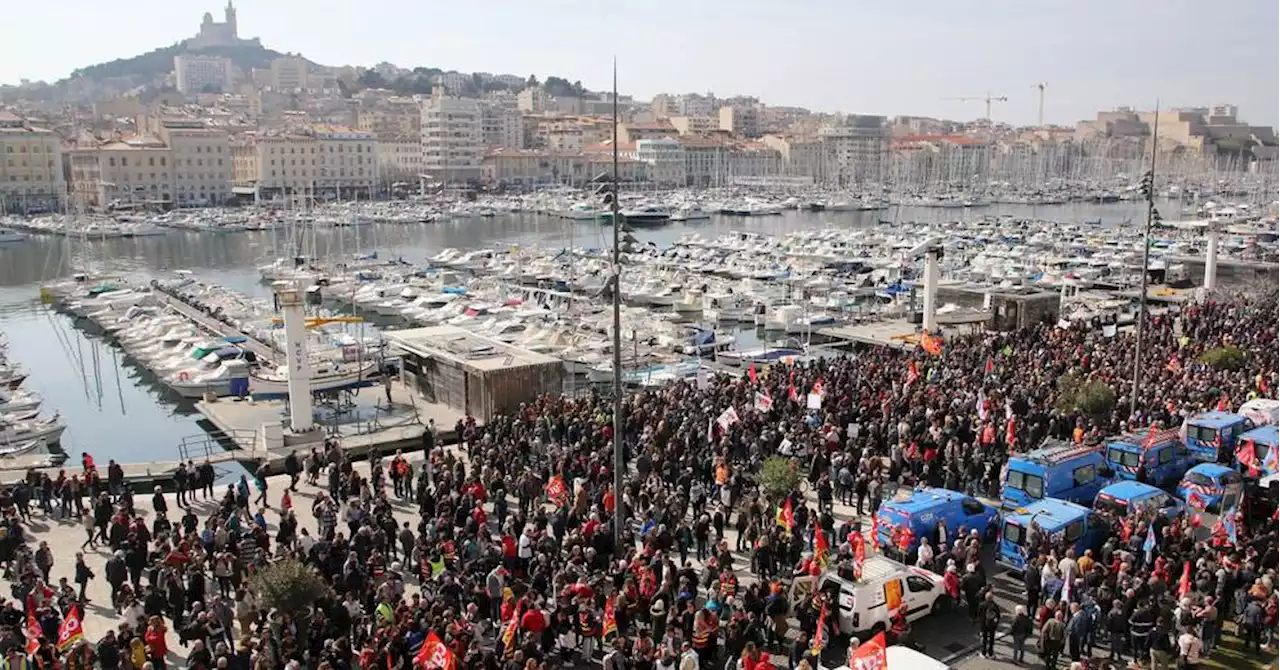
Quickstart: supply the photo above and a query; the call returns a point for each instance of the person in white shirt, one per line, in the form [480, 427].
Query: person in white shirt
[1189, 647]
[924, 554]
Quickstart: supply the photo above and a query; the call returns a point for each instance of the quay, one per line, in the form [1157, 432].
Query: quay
[261, 349]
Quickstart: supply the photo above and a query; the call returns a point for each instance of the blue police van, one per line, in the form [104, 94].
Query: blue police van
[920, 511]
[1078, 526]
[1211, 436]
[1161, 454]
[1059, 470]
[1121, 499]
[1211, 488]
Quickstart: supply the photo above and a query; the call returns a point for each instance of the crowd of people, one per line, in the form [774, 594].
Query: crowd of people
[501, 554]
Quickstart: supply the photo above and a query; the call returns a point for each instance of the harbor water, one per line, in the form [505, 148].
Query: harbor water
[114, 408]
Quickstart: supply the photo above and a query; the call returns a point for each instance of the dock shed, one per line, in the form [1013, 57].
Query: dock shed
[473, 374]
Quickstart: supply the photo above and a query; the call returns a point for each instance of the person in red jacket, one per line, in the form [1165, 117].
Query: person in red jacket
[157, 648]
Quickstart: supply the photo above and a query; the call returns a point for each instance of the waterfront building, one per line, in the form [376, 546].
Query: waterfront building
[322, 160]
[740, 120]
[452, 137]
[854, 149]
[665, 158]
[31, 174]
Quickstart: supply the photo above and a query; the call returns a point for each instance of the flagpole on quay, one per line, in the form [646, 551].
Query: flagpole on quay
[1150, 182]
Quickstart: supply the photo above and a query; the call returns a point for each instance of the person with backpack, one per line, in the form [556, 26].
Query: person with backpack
[989, 618]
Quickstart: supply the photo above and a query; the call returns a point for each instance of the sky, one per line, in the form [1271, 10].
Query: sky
[856, 56]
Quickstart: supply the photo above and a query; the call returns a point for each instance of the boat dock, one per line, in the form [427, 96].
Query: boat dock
[899, 333]
[261, 349]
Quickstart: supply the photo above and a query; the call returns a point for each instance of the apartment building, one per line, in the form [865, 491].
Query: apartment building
[454, 82]
[501, 126]
[196, 73]
[740, 120]
[565, 139]
[31, 174]
[530, 167]
[694, 125]
[942, 157]
[399, 159]
[201, 161]
[666, 161]
[799, 156]
[632, 132]
[692, 104]
[289, 74]
[392, 117]
[854, 149]
[533, 100]
[132, 170]
[452, 138]
[325, 160]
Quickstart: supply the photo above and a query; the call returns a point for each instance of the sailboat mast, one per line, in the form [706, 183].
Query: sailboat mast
[618, 464]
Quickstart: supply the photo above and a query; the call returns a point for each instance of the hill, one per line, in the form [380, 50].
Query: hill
[157, 63]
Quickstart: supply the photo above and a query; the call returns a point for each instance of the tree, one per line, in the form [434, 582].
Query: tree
[779, 477]
[371, 79]
[288, 585]
[533, 81]
[1088, 396]
[1224, 358]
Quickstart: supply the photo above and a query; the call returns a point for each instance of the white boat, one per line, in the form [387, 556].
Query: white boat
[325, 376]
[11, 449]
[50, 430]
[17, 401]
[9, 236]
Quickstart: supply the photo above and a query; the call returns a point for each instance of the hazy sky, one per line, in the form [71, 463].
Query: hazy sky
[868, 56]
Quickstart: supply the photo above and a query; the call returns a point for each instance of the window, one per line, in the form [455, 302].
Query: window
[124, 162]
[1203, 433]
[916, 584]
[1032, 485]
[971, 507]
[151, 160]
[162, 161]
[1074, 530]
[1126, 458]
[1165, 455]
[1085, 474]
[1013, 533]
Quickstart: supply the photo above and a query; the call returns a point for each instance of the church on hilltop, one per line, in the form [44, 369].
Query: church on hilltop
[214, 34]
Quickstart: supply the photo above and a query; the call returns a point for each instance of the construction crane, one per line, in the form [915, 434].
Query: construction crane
[987, 99]
[1040, 115]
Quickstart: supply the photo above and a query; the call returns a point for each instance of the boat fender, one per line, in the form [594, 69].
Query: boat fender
[184, 376]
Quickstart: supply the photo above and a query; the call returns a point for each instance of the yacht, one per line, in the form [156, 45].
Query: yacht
[325, 376]
[646, 214]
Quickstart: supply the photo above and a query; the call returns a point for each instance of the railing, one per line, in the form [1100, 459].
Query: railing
[206, 446]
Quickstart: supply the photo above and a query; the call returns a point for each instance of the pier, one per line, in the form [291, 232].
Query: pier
[261, 349]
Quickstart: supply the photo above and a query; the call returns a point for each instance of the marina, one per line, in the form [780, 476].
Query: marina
[708, 295]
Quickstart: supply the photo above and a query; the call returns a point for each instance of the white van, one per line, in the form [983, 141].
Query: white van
[863, 603]
[899, 657]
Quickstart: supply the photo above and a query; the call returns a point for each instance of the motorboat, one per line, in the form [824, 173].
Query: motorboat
[50, 430]
[646, 215]
[216, 374]
[11, 377]
[328, 375]
[18, 400]
[11, 449]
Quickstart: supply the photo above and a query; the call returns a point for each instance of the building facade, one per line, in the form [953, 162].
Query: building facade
[322, 160]
[195, 73]
[501, 127]
[665, 158]
[399, 159]
[289, 74]
[201, 159]
[452, 138]
[31, 176]
[131, 171]
[854, 150]
[741, 121]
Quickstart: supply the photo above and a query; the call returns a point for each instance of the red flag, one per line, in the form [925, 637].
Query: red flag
[1184, 584]
[557, 491]
[1151, 438]
[913, 373]
[751, 372]
[859, 552]
[610, 626]
[818, 387]
[1247, 456]
[931, 345]
[820, 635]
[875, 533]
[869, 655]
[70, 631]
[434, 655]
[786, 517]
[991, 366]
[821, 550]
[33, 632]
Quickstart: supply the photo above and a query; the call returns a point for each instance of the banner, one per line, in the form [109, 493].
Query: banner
[764, 402]
[434, 655]
[727, 418]
[70, 632]
[869, 655]
[893, 595]
[557, 491]
[814, 402]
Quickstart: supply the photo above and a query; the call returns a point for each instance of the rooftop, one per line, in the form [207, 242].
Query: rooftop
[465, 348]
